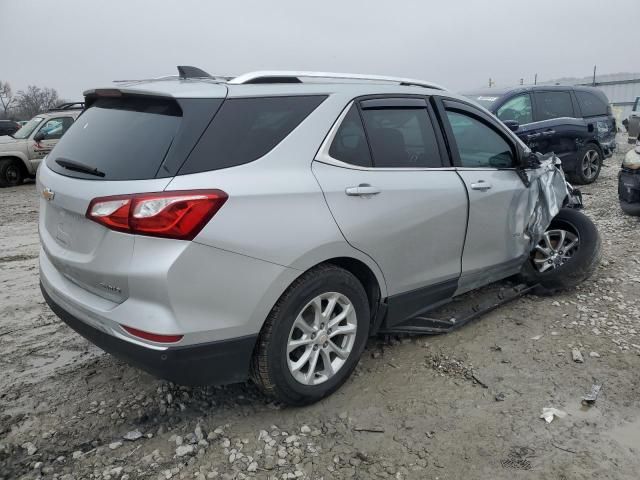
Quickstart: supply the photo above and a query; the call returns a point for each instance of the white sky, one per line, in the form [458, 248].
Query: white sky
[72, 45]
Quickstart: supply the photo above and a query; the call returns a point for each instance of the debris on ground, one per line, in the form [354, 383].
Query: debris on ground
[577, 355]
[550, 413]
[590, 398]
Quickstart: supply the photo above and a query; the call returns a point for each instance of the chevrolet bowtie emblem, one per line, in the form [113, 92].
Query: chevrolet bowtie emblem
[48, 194]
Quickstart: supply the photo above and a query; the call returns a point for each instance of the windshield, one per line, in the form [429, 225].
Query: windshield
[29, 127]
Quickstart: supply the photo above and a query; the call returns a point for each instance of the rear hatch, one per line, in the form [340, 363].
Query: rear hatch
[122, 144]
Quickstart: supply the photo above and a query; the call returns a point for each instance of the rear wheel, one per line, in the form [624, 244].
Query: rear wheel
[588, 165]
[566, 255]
[313, 337]
[11, 173]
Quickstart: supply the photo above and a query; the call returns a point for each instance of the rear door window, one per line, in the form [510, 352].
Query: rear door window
[401, 138]
[350, 143]
[553, 105]
[591, 105]
[517, 109]
[125, 138]
[246, 129]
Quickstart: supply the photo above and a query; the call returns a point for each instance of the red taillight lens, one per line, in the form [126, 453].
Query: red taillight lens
[179, 215]
[154, 337]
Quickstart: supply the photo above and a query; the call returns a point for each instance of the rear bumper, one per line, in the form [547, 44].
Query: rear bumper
[220, 362]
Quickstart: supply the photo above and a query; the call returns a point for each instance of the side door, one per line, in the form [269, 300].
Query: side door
[558, 128]
[633, 127]
[395, 197]
[53, 129]
[485, 156]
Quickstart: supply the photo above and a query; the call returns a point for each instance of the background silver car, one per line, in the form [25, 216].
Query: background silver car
[207, 229]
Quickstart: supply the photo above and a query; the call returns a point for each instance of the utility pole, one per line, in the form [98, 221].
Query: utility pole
[491, 82]
[535, 79]
[594, 75]
[522, 81]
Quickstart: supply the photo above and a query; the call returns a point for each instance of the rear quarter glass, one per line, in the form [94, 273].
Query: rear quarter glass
[246, 129]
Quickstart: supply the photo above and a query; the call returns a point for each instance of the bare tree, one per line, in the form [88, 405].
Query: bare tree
[7, 100]
[35, 100]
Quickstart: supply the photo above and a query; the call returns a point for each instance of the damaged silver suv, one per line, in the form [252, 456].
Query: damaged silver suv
[264, 226]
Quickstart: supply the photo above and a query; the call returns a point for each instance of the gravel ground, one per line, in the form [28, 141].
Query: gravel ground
[462, 405]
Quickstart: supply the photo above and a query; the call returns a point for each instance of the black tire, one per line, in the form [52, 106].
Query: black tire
[584, 172]
[579, 266]
[632, 209]
[269, 368]
[11, 173]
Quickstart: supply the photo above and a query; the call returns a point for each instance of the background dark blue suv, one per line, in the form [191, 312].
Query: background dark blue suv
[576, 123]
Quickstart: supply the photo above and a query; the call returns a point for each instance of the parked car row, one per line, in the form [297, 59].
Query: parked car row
[210, 229]
[22, 150]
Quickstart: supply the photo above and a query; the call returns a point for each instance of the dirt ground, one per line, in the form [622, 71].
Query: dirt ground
[463, 405]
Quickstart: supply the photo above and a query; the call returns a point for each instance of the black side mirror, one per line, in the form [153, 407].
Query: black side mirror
[512, 125]
[38, 137]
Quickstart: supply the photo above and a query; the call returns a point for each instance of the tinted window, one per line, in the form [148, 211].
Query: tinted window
[350, 143]
[517, 109]
[554, 105]
[401, 138]
[591, 105]
[246, 129]
[126, 138]
[478, 144]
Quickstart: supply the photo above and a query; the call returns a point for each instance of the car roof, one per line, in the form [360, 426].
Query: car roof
[274, 83]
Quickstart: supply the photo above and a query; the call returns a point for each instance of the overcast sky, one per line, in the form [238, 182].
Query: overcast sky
[72, 45]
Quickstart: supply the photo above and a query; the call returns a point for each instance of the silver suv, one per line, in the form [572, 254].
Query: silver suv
[209, 229]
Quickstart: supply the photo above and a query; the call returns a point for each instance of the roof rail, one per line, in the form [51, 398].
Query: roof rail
[275, 76]
[67, 106]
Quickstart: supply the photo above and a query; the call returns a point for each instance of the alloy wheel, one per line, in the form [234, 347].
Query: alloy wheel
[321, 338]
[556, 248]
[590, 164]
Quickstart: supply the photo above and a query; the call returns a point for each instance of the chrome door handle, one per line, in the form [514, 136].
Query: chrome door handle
[362, 190]
[481, 185]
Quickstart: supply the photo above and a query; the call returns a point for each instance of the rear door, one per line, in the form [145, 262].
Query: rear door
[558, 128]
[395, 197]
[485, 158]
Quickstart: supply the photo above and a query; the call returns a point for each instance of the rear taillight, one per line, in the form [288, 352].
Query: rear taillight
[179, 215]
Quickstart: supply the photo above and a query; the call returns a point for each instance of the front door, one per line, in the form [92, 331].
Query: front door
[395, 197]
[53, 129]
[485, 158]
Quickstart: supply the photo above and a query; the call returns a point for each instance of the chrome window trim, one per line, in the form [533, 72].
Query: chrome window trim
[323, 152]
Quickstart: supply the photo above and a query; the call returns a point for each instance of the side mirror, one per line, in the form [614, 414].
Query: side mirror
[512, 125]
[38, 137]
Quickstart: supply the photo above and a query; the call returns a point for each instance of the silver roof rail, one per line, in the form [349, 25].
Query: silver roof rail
[282, 76]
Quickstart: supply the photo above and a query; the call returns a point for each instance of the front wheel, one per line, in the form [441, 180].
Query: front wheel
[11, 174]
[313, 338]
[567, 254]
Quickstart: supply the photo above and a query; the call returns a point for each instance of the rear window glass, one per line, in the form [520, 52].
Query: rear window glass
[554, 105]
[125, 138]
[246, 129]
[591, 105]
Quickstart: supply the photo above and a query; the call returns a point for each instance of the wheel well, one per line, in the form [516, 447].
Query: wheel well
[366, 277]
[23, 167]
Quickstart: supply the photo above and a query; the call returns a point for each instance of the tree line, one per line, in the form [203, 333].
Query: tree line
[25, 104]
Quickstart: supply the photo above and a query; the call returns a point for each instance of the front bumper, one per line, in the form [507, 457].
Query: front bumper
[213, 363]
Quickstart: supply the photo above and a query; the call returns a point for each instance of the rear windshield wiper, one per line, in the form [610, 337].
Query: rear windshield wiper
[79, 167]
